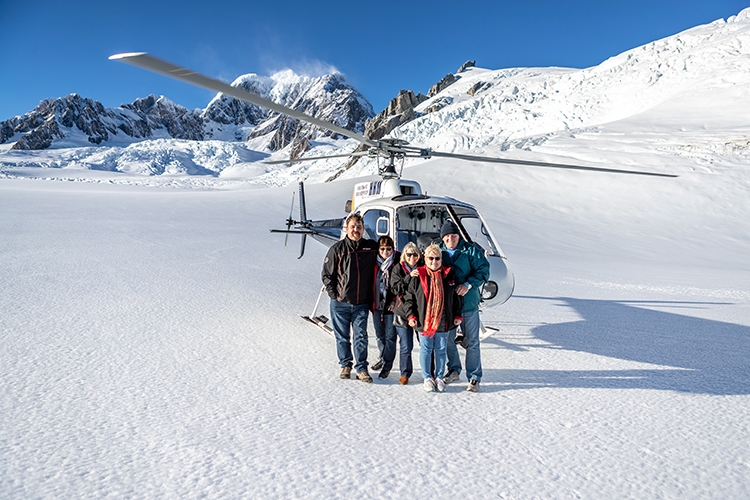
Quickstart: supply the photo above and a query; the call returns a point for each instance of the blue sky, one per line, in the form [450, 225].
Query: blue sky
[53, 48]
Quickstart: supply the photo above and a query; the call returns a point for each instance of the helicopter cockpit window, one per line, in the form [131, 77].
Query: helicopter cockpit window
[376, 223]
[381, 227]
[420, 224]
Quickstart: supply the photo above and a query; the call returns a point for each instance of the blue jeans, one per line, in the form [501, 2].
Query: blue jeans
[470, 328]
[406, 339]
[427, 345]
[385, 332]
[342, 316]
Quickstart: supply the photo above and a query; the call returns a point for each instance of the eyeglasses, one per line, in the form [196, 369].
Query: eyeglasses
[410, 254]
[389, 249]
[434, 258]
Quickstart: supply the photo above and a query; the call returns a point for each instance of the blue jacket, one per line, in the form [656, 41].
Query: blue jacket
[470, 266]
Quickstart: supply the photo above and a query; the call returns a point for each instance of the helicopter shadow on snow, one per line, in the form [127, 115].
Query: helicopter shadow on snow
[693, 355]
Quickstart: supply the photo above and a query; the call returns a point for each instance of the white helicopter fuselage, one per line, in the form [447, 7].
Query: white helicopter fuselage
[399, 209]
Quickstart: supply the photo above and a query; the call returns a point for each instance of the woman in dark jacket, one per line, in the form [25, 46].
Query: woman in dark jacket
[434, 309]
[382, 313]
[411, 258]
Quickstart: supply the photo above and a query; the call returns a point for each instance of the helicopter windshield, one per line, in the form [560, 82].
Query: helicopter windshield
[421, 223]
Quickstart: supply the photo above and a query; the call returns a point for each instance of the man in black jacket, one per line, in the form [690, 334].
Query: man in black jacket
[348, 274]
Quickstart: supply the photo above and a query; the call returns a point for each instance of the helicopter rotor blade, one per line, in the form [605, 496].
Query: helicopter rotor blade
[529, 163]
[146, 61]
[391, 148]
[297, 160]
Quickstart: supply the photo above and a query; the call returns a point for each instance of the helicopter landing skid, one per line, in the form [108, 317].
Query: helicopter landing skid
[486, 331]
[321, 322]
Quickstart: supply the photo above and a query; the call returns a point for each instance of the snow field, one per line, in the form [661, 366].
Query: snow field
[153, 348]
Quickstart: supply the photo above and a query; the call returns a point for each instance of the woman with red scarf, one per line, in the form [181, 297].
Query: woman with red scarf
[434, 309]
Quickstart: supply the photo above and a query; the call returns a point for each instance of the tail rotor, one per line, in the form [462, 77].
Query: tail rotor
[289, 222]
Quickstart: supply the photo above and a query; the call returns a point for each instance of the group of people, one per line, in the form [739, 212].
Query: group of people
[410, 294]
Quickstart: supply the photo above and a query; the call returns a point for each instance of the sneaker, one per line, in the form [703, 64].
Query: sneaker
[364, 376]
[377, 365]
[473, 386]
[429, 385]
[451, 376]
[384, 373]
[440, 385]
[403, 380]
[346, 372]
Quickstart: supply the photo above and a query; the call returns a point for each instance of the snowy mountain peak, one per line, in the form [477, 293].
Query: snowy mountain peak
[699, 75]
[75, 121]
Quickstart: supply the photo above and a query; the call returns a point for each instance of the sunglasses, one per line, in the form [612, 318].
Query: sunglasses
[434, 258]
[390, 249]
[410, 254]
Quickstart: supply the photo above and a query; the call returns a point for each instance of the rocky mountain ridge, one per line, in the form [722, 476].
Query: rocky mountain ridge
[77, 121]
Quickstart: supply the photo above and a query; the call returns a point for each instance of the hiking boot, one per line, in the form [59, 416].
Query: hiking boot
[377, 365]
[403, 380]
[346, 372]
[429, 385]
[473, 386]
[440, 386]
[364, 377]
[451, 376]
[384, 373]
[462, 341]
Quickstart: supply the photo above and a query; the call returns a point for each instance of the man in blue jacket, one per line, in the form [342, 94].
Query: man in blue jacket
[472, 270]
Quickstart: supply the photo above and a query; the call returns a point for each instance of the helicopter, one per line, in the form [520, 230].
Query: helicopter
[392, 206]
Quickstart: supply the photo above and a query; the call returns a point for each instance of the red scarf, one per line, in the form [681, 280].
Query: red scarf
[435, 301]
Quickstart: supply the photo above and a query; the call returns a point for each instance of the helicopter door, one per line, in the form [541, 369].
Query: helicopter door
[377, 223]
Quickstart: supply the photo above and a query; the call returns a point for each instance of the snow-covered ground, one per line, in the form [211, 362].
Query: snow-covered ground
[152, 345]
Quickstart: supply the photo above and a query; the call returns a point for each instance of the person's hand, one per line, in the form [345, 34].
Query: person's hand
[414, 273]
[457, 321]
[412, 322]
[462, 289]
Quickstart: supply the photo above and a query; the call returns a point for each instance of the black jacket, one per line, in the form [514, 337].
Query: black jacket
[349, 271]
[399, 283]
[415, 299]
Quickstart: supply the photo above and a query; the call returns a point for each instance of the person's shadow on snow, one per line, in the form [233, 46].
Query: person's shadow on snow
[694, 355]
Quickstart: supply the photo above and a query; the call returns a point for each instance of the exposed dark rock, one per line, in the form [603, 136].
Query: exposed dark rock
[446, 82]
[299, 147]
[466, 65]
[438, 104]
[40, 137]
[478, 87]
[51, 119]
[328, 98]
[399, 111]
